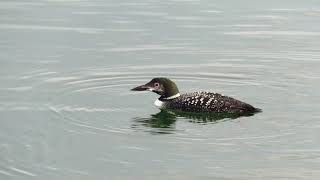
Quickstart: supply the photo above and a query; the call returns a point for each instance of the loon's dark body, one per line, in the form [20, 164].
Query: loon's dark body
[204, 102]
[207, 102]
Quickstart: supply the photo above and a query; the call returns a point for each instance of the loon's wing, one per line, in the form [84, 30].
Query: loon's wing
[210, 102]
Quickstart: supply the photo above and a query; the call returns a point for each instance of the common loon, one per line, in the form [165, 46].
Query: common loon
[204, 102]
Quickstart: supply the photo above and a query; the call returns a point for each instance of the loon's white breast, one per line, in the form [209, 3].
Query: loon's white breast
[159, 103]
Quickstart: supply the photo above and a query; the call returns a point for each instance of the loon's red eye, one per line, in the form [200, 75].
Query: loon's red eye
[156, 84]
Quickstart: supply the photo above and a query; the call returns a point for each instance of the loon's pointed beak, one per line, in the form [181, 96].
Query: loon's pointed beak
[141, 88]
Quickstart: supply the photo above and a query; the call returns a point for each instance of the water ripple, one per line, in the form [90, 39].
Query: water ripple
[21, 171]
[277, 33]
[51, 28]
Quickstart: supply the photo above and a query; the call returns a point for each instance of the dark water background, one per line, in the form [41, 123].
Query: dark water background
[66, 111]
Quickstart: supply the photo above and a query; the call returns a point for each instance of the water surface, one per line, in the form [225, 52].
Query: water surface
[67, 67]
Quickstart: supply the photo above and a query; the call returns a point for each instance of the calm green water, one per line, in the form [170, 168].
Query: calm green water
[66, 111]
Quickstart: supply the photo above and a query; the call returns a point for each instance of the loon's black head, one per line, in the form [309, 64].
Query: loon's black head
[162, 86]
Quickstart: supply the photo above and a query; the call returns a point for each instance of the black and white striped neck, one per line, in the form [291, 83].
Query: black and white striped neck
[170, 97]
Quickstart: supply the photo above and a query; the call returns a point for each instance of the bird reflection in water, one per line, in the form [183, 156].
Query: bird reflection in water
[163, 122]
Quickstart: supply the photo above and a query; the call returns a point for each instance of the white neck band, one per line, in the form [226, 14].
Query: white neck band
[174, 96]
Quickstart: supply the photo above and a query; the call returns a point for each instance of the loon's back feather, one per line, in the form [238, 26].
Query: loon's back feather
[208, 102]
